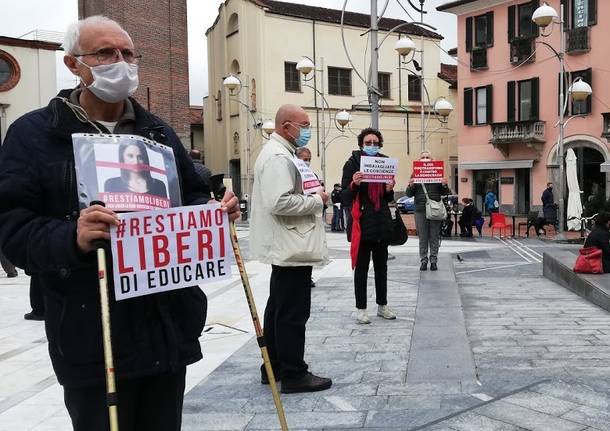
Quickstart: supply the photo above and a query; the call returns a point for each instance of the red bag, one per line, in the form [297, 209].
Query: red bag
[589, 261]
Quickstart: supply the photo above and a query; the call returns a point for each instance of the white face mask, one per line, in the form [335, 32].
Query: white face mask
[113, 82]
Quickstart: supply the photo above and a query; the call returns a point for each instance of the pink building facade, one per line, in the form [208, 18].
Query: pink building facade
[508, 99]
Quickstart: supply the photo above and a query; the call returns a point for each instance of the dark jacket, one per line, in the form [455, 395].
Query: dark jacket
[600, 238]
[374, 225]
[204, 172]
[38, 212]
[336, 196]
[435, 191]
[468, 215]
[547, 197]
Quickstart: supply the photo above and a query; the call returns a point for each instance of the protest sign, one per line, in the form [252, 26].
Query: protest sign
[311, 183]
[377, 169]
[126, 172]
[162, 250]
[432, 171]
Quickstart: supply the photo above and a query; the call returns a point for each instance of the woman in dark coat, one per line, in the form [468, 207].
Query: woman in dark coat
[371, 225]
[600, 238]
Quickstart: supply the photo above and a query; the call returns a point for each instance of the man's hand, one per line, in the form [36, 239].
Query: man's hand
[94, 223]
[357, 178]
[323, 195]
[390, 186]
[230, 205]
[444, 181]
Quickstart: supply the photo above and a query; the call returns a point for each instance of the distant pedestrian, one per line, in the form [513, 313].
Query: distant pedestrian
[36, 300]
[491, 204]
[549, 209]
[600, 238]
[338, 224]
[428, 231]
[203, 171]
[371, 227]
[467, 218]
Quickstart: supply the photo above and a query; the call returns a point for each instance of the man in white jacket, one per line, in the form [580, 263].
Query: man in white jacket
[287, 231]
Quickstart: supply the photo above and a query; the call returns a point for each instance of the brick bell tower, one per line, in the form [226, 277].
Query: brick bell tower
[159, 33]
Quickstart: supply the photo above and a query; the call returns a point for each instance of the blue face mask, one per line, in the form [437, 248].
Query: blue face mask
[304, 137]
[370, 150]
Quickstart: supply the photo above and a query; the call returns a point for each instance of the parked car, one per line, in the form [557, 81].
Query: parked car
[406, 204]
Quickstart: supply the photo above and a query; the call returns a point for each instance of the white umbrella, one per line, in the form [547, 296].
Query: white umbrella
[574, 203]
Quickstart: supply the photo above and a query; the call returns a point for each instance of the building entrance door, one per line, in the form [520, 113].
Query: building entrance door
[591, 180]
[484, 180]
[522, 191]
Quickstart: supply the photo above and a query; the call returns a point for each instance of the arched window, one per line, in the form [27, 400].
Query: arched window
[235, 70]
[232, 24]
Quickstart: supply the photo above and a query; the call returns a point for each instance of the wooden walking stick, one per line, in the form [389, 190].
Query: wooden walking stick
[260, 338]
[111, 394]
[219, 191]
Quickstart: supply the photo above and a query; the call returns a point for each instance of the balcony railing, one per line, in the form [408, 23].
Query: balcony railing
[519, 131]
[529, 133]
[521, 49]
[578, 40]
[478, 58]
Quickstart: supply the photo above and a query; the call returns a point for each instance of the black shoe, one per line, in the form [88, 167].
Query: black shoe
[33, 316]
[423, 266]
[391, 256]
[433, 267]
[307, 383]
[12, 274]
[313, 283]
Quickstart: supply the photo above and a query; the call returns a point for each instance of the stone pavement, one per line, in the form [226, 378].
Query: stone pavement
[518, 351]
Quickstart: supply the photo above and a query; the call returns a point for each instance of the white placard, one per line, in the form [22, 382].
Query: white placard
[378, 169]
[311, 183]
[162, 250]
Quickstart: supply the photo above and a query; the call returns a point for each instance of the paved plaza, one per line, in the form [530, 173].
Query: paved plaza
[486, 343]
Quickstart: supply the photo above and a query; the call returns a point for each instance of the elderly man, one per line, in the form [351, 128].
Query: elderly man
[44, 231]
[287, 232]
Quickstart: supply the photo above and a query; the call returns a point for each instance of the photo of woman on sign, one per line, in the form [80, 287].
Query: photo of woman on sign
[135, 172]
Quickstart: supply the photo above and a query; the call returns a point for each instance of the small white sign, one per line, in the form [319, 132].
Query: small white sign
[162, 250]
[378, 169]
[311, 183]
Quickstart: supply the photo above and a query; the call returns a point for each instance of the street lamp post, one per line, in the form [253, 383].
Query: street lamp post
[544, 16]
[234, 85]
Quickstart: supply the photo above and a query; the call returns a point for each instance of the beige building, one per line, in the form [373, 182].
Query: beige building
[260, 42]
[27, 78]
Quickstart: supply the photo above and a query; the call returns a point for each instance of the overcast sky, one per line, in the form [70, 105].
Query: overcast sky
[26, 15]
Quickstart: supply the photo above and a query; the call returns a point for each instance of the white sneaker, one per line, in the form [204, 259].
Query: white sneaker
[362, 317]
[385, 312]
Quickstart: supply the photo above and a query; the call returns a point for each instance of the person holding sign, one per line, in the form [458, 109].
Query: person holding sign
[44, 231]
[428, 231]
[287, 232]
[371, 225]
[135, 174]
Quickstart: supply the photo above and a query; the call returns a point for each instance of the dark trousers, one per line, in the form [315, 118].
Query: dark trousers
[7, 266]
[348, 220]
[338, 223]
[465, 227]
[379, 250]
[148, 403]
[286, 315]
[36, 297]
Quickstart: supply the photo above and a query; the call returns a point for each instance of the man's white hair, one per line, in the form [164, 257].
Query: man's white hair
[71, 39]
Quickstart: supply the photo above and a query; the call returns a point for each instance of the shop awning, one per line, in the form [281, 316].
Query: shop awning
[496, 165]
[605, 167]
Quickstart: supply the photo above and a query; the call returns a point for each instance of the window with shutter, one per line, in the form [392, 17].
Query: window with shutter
[468, 106]
[584, 107]
[510, 99]
[469, 34]
[490, 104]
[481, 105]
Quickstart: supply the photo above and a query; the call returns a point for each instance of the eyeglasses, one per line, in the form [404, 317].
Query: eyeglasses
[112, 55]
